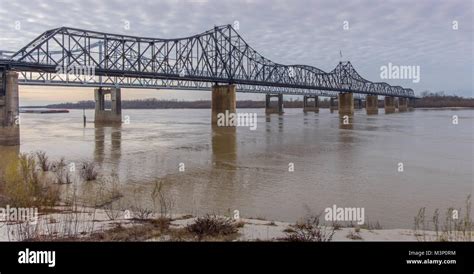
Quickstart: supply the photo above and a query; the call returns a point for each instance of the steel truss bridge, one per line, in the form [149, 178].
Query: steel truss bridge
[217, 56]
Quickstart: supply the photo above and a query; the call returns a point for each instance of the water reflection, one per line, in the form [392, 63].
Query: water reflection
[224, 147]
[100, 136]
[222, 186]
[346, 121]
[8, 153]
[268, 120]
[346, 143]
[347, 155]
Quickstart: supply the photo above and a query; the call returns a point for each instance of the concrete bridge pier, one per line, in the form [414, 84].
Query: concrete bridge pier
[402, 104]
[411, 103]
[371, 104]
[389, 102]
[9, 109]
[112, 115]
[358, 103]
[346, 108]
[223, 99]
[333, 105]
[269, 109]
[310, 106]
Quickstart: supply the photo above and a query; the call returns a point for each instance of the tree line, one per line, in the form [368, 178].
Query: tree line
[427, 100]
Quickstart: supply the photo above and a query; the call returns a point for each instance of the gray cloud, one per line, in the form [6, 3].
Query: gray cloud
[290, 32]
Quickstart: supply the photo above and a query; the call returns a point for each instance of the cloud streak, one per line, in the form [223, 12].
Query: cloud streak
[290, 32]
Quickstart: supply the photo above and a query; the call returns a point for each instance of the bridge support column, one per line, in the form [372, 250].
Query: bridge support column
[223, 99]
[389, 104]
[402, 104]
[371, 104]
[332, 105]
[9, 109]
[411, 103]
[310, 107]
[269, 109]
[358, 103]
[104, 116]
[346, 109]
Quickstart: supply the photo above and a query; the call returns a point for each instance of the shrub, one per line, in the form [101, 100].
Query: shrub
[43, 161]
[88, 171]
[160, 197]
[61, 172]
[23, 186]
[211, 225]
[309, 230]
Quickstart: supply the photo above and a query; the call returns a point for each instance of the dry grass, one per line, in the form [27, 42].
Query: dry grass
[453, 229]
[25, 187]
[371, 226]
[354, 235]
[309, 230]
[61, 172]
[109, 197]
[212, 226]
[138, 232]
[160, 199]
[43, 161]
[88, 171]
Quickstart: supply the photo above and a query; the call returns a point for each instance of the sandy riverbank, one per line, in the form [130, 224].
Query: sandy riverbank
[87, 224]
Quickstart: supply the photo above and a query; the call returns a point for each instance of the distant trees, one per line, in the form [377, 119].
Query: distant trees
[428, 99]
[440, 99]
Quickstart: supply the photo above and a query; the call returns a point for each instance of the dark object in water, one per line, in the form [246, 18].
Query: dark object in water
[44, 111]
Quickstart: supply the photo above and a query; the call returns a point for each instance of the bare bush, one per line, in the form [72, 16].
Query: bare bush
[72, 223]
[88, 171]
[212, 225]
[354, 235]
[309, 230]
[160, 198]
[141, 213]
[371, 226]
[61, 172]
[110, 198]
[43, 161]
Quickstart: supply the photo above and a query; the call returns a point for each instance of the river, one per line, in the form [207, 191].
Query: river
[208, 170]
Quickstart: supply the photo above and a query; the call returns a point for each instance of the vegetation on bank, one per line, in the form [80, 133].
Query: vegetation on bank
[33, 180]
[439, 99]
[457, 224]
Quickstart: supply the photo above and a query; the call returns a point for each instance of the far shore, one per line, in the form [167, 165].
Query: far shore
[62, 109]
[428, 100]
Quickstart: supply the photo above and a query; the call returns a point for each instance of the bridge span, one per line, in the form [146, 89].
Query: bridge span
[218, 59]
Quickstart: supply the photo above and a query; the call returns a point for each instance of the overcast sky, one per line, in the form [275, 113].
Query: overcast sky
[419, 33]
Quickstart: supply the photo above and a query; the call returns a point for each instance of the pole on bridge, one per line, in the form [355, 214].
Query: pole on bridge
[84, 116]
